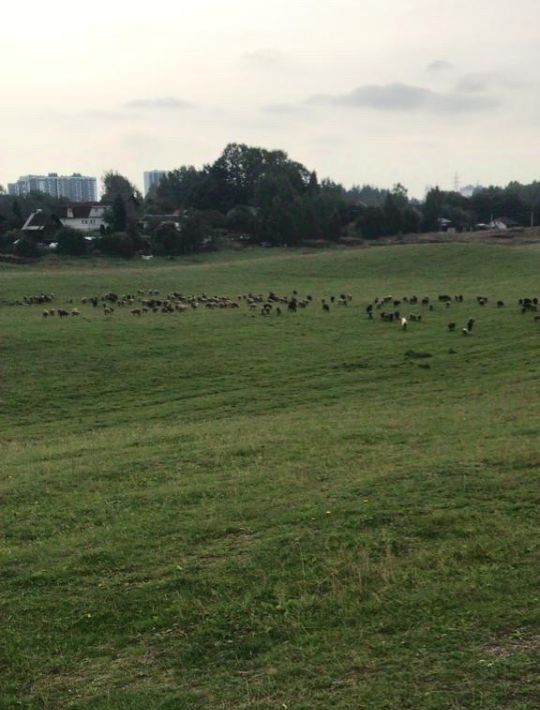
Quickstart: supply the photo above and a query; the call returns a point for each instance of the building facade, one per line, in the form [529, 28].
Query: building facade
[86, 217]
[153, 177]
[76, 187]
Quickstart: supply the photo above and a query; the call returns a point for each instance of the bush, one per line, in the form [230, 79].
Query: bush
[117, 244]
[70, 241]
[8, 239]
[26, 247]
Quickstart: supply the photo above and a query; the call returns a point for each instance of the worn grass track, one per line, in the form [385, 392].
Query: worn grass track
[215, 509]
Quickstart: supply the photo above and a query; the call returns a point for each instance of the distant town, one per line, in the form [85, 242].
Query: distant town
[248, 195]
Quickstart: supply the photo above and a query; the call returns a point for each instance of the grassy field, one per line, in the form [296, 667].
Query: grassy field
[216, 509]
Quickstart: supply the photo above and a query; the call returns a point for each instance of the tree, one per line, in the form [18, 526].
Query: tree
[17, 214]
[118, 216]
[26, 247]
[370, 224]
[432, 209]
[70, 241]
[167, 239]
[193, 232]
[114, 184]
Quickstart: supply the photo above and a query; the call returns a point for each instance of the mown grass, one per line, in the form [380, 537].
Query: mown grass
[215, 509]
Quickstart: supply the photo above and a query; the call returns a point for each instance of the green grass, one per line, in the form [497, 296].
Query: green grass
[215, 509]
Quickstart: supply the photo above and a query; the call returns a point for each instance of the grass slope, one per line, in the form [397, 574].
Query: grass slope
[215, 509]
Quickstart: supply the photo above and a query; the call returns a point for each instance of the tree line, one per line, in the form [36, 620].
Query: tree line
[262, 196]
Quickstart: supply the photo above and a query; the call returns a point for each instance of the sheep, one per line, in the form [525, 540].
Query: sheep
[75, 312]
[500, 304]
[62, 313]
[136, 312]
[278, 311]
[403, 323]
[326, 307]
[470, 324]
[45, 314]
[451, 327]
[465, 331]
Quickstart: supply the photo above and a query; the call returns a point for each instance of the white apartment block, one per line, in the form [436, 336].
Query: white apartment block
[153, 177]
[76, 187]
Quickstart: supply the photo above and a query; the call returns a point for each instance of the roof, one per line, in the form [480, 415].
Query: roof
[81, 210]
[40, 221]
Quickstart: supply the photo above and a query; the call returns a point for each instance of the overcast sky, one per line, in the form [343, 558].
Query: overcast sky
[363, 91]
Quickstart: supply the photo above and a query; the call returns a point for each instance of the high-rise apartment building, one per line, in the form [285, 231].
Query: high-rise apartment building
[153, 177]
[76, 187]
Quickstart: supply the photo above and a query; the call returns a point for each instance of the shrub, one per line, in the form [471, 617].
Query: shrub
[70, 241]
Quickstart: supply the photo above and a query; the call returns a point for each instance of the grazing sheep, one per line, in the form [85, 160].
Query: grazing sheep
[278, 311]
[62, 313]
[326, 307]
[465, 331]
[500, 304]
[470, 324]
[75, 312]
[403, 323]
[451, 327]
[45, 314]
[136, 312]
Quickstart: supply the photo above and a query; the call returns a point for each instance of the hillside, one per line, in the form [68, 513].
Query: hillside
[214, 508]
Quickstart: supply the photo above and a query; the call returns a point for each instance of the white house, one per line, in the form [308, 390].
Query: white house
[85, 216]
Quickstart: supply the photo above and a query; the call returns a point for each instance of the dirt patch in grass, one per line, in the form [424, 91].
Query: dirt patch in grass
[516, 643]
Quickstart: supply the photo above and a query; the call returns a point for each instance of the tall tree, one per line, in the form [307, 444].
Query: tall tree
[114, 184]
[119, 219]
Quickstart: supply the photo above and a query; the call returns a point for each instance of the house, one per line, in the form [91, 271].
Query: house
[83, 216]
[41, 226]
[151, 221]
[446, 225]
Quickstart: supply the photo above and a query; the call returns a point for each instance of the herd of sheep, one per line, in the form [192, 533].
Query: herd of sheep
[389, 308]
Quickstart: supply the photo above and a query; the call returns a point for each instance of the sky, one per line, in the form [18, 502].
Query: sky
[362, 91]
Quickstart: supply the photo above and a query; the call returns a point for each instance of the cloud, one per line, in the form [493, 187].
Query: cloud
[439, 66]
[102, 115]
[479, 82]
[406, 97]
[265, 57]
[166, 103]
[280, 108]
